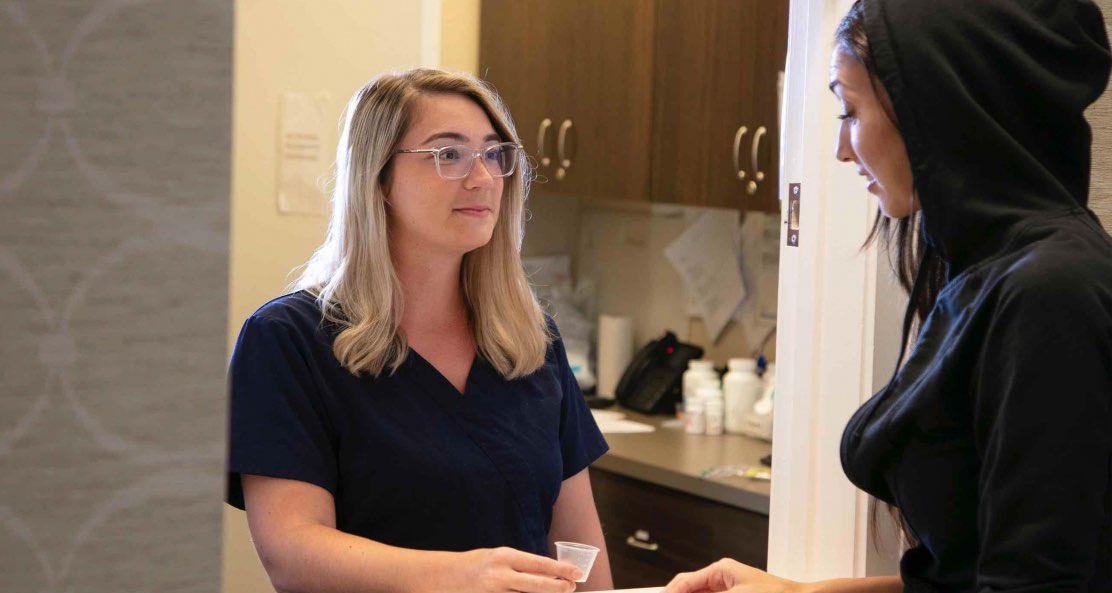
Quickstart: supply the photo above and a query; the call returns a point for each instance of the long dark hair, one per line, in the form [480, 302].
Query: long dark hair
[919, 269]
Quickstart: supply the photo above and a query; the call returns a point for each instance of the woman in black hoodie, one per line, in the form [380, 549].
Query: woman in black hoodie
[994, 440]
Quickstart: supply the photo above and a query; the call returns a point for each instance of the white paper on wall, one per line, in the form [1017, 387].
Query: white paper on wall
[705, 256]
[760, 267]
[301, 153]
[757, 244]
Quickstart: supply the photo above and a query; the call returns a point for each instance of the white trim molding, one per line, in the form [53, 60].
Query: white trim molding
[430, 33]
[830, 324]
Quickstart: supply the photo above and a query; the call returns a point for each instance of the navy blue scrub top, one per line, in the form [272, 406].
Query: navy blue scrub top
[409, 461]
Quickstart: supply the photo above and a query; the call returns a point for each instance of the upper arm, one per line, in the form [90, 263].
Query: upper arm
[574, 516]
[276, 506]
[575, 502]
[1042, 414]
[279, 424]
[581, 442]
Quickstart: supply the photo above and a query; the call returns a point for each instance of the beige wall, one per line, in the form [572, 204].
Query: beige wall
[459, 35]
[330, 46]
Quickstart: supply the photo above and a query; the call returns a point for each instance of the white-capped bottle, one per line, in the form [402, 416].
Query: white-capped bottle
[758, 423]
[710, 381]
[714, 409]
[696, 369]
[695, 419]
[741, 388]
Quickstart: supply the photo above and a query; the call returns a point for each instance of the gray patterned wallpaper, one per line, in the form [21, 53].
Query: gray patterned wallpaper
[115, 120]
[1100, 117]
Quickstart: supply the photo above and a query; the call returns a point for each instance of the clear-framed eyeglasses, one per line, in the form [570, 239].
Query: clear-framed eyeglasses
[455, 162]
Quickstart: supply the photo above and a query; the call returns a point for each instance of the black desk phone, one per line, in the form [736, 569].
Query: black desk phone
[652, 383]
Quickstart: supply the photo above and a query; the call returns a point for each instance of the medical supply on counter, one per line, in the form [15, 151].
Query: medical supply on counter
[741, 388]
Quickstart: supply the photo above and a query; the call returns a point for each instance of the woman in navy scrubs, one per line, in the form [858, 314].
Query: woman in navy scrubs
[994, 440]
[407, 420]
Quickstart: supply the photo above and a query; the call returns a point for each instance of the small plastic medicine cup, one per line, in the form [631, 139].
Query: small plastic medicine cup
[581, 555]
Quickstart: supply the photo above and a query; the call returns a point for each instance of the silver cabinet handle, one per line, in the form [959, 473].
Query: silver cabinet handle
[542, 133]
[561, 153]
[737, 151]
[758, 175]
[640, 540]
[565, 159]
[761, 131]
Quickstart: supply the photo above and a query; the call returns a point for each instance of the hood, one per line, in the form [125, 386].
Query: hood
[990, 97]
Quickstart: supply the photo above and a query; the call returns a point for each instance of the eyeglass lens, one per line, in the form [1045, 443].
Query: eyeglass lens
[455, 162]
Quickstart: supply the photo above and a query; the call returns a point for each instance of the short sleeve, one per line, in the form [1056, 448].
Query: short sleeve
[278, 426]
[581, 442]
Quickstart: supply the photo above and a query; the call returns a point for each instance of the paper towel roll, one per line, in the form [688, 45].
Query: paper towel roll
[615, 351]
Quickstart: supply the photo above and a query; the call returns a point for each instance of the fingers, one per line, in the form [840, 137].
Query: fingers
[687, 582]
[719, 576]
[531, 583]
[540, 565]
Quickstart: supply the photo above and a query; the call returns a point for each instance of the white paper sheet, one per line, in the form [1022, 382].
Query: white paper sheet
[301, 154]
[706, 257]
[603, 415]
[760, 256]
[624, 427]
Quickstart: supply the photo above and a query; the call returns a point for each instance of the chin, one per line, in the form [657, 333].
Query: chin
[472, 243]
[896, 214]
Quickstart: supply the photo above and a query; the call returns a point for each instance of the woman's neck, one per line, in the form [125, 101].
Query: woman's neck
[432, 291]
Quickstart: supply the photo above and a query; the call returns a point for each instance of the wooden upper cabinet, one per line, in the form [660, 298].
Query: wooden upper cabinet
[648, 95]
[772, 41]
[578, 73]
[717, 69]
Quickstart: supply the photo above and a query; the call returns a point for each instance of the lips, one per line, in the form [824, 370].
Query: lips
[478, 211]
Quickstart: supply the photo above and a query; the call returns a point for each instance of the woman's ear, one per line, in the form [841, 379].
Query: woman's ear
[384, 178]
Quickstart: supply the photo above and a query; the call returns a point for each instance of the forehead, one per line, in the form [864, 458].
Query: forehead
[848, 72]
[449, 112]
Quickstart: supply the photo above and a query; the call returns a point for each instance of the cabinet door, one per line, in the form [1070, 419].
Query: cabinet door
[587, 67]
[768, 68]
[513, 39]
[716, 70]
[688, 532]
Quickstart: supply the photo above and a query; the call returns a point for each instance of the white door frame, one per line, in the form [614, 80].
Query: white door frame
[831, 330]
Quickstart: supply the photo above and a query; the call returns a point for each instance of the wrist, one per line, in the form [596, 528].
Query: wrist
[796, 587]
[443, 572]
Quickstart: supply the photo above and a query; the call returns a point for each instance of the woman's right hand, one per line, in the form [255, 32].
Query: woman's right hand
[502, 570]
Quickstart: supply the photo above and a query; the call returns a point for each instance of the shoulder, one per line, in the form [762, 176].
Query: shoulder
[293, 308]
[296, 310]
[1051, 276]
[1045, 297]
[295, 316]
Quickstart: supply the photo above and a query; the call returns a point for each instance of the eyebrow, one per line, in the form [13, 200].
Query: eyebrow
[457, 136]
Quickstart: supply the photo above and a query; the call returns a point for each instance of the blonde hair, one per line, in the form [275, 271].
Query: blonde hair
[352, 274]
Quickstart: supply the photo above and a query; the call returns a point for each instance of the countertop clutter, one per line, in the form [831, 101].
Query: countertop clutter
[671, 458]
[663, 508]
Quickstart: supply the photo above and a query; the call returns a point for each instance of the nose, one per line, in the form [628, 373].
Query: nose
[843, 148]
[479, 176]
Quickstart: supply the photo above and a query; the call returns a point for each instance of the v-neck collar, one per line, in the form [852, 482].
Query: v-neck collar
[433, 380]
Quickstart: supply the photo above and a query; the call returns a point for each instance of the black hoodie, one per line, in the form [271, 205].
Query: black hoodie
[995, 438]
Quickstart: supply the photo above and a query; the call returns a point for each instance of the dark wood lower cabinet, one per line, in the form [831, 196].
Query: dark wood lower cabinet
[689, 532]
